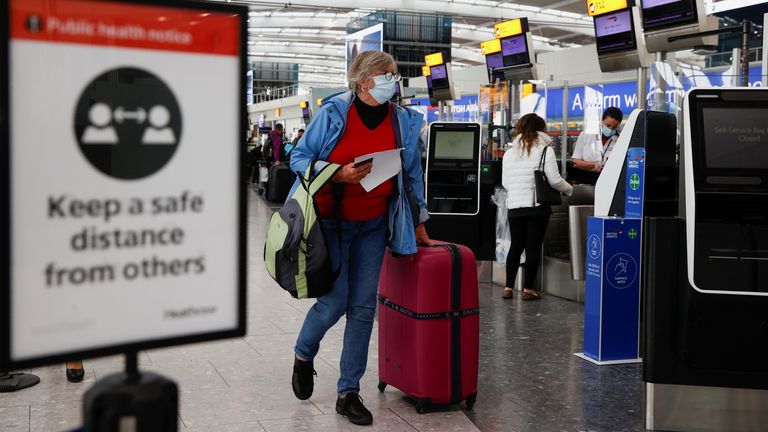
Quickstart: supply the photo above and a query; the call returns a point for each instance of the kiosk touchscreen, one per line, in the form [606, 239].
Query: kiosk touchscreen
[453, 169]
[726, 196]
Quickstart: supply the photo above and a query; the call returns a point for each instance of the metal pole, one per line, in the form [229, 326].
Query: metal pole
[746, 29]
[765, 51]
[511, 93]
[440, 106]
[659, 99]
[736, 58]
[642, 90]
[564, 139]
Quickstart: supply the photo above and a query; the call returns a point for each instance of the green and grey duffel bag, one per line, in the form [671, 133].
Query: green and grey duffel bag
[295, 252]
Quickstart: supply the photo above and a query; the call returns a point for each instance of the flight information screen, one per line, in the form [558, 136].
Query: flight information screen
[494, 61]
[454, 144]
[514, 51]
[665, 13]
[615, 32]
[438, 72]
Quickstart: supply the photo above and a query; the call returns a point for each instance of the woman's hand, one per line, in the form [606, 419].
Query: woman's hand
[422, 237]
[349, 174]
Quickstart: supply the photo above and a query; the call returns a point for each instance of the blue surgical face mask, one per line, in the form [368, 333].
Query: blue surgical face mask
[384, 90]
[608, 132]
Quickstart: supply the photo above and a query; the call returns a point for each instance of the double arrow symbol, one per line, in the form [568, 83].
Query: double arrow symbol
[139, 116]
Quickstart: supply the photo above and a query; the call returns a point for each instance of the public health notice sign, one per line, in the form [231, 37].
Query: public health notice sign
[125, 213]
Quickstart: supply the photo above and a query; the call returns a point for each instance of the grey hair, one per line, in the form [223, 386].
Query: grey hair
[365, 64]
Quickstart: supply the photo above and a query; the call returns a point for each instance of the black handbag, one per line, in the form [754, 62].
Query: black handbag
[545, 194]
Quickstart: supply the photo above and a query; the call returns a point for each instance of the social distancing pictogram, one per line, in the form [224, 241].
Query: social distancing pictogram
[128, 123]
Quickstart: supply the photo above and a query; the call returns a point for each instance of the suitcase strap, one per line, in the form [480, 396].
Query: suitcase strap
[427, 316]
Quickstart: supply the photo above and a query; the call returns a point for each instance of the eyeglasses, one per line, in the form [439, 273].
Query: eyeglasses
[389, 76]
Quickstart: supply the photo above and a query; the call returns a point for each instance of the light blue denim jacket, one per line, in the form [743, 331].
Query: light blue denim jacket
[325, 130]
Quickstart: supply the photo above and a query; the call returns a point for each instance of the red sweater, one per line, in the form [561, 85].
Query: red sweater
[358, 140]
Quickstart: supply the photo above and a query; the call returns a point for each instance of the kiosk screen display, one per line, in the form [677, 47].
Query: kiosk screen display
[439, 77]
[514, 51]
[735, 138]
[666, 13]
[494, 61]
[455, 145]
[437, 72]
[615, 32]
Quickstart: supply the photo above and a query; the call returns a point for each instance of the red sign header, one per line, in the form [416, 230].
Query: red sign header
[126, 25]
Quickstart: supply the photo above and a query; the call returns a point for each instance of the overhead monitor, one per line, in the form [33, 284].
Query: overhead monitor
[615, 32]
[494, 61]
[369, 39]
[668, 13]
[439, 77]
[718, 6]
[514, 51]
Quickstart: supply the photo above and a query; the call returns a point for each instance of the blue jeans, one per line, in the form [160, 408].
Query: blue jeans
[354, 293]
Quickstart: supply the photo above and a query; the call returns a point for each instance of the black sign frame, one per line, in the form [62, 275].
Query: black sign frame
[6, 362]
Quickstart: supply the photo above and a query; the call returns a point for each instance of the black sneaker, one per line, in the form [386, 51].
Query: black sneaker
[351, 406]
[303, 378]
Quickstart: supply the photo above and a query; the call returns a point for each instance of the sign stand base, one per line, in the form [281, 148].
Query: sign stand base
[608, 362]
[11, 382]
[131, 402]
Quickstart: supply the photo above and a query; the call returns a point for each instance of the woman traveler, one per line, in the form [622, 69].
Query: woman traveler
[527, 219]
[349, 125]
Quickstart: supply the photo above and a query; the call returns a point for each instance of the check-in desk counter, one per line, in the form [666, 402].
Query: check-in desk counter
[562, 268]
[561, 272]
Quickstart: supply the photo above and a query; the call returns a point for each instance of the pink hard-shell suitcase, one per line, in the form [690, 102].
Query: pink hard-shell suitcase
[429, 325]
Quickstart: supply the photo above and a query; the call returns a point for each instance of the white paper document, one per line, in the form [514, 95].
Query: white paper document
[386, 164]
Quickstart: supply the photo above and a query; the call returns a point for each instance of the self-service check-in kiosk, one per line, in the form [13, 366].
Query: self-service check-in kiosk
[618, 35]
[706, 277]
[663, 19]
[455, 182]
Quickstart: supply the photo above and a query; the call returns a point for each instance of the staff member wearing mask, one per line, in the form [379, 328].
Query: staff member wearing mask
[350, 125]
[592, 151]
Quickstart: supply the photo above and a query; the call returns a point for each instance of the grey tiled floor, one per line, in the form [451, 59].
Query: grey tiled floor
[529, 380]
[239, 384]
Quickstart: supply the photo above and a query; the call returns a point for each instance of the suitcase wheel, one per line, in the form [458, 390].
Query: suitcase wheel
[421, 405]
[471, 401]
[382, 386]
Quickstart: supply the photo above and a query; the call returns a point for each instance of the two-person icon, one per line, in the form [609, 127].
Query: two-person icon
[102, 130]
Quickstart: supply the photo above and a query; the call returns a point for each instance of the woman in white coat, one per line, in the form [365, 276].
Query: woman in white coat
[527, 219]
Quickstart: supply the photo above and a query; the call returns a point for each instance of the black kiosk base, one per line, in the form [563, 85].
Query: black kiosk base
[706, 356]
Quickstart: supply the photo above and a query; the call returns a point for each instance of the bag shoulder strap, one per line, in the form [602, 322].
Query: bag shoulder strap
[543, 158]
[317, 181]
